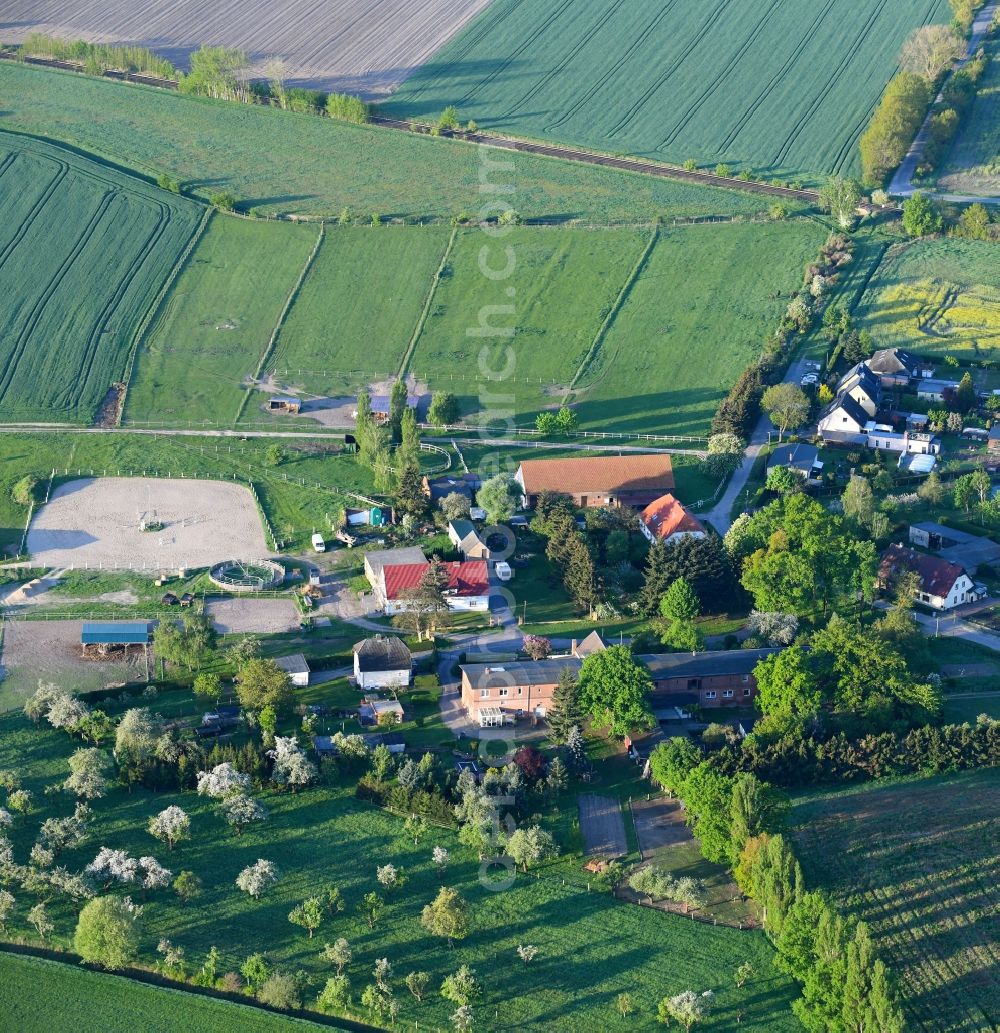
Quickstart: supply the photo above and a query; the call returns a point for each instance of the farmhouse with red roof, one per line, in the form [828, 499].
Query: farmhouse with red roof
[394, 573]
[627, 480]
[666, 520]
[943, 585]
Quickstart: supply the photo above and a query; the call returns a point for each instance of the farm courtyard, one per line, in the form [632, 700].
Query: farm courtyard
[95, 522]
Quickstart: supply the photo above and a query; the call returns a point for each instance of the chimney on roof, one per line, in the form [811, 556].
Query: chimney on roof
[572, 647]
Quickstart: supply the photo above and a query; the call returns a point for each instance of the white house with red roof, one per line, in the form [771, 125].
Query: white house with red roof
[395, 573]
[666, 520]
[943, 585]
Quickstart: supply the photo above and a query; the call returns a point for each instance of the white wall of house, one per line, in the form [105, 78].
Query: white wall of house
[380, 679]
[675, 537]
[962, 591]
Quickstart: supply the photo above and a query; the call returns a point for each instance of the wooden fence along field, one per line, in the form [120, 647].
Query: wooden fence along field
[83, 250]
[784, 88]
[353, 45]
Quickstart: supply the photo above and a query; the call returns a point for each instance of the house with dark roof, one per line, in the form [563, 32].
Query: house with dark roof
[844, 422]
[494, 694]
[379, 558]
[464, 536]
[716, 678]
[296, 667]
[798, 457]
[627, 480]
[896, 367]
[863, 386]
[943, 585]
[383, 661]
[666, 520]
[593, 643]
[436, 488]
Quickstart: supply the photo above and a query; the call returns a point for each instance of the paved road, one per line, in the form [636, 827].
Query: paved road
[719, 515]
[902, 181]
[954, 627]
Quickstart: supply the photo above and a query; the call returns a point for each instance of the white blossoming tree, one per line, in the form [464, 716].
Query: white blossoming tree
[170, 826]
[240, 811]
[222, 781]
[291, 766]
[114, 866]
[258, 877]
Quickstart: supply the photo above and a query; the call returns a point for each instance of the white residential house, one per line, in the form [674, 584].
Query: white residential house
[943, 585]
[382, 662]
[297, 668]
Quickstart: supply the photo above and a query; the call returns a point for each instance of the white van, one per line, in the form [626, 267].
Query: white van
[504, 573]
[318, 544]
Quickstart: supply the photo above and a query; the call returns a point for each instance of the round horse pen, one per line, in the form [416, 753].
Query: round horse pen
[247, 575]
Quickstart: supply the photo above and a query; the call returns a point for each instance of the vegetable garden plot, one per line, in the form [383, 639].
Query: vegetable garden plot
[83, 251]
[784, 88]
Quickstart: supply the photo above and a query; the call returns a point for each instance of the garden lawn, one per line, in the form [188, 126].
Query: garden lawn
[294, 509]
[40, 996]
[591, 948]
[214, 326]
[973, 166]
[281, 161]
[700, 310]
[920, 862]
[358, 307]
[84, 250]
[562, 283]
[938, 298]
[784, 89]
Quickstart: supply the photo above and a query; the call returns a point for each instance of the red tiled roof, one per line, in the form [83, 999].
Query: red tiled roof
[399, 577]
[468, 578]
[597, 474]
[937, 576]
[471, 577]
[666, 516]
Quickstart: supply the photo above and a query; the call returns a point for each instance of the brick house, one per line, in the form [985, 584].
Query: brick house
[722, 678]
[627, 480]
[502, 693]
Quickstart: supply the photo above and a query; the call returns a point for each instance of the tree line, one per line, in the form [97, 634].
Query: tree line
[98, 58]
[738, 821]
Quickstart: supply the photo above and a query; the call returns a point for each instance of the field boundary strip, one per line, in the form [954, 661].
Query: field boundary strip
[154, 309]
[616, 307]
[282, 315]
[428, 301]
[48, 956]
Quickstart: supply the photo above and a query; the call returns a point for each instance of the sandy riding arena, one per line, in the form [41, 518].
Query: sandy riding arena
[96, 522]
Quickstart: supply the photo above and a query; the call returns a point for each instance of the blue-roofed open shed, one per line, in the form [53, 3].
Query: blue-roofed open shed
[116, 633]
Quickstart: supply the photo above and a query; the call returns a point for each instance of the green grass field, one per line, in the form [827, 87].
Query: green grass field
[919, 861]
[973, 165]
[280, 161]
[358, 306]
[84, 249]
[590, 947]
[784, 89]
[937, 297]
[293, 509]
[215, 324]
[698, 313]
[562, 285]
[40, 996]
